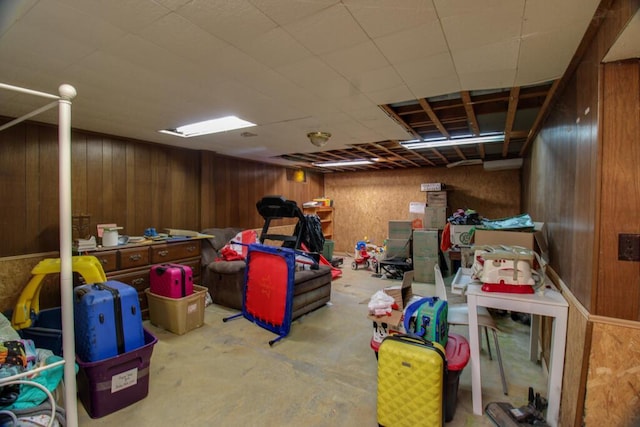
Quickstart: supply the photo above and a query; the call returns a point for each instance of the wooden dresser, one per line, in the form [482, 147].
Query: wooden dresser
[131, 263]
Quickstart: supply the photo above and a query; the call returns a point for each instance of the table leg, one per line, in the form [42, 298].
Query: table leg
[556, 367]
[474, 344]
[533, 338]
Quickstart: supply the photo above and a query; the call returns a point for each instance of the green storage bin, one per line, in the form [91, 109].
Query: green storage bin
[327, 249]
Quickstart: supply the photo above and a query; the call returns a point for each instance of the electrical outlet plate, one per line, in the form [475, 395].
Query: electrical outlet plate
[629, 247]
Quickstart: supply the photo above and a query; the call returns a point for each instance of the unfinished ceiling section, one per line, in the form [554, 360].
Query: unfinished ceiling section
[514, 112]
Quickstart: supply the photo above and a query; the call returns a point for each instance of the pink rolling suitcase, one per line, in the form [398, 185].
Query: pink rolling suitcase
[171, 280]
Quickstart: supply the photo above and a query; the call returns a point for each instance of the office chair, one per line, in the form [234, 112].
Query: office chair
[459, 315]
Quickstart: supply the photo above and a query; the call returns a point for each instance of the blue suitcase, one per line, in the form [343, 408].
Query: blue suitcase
[107, 320]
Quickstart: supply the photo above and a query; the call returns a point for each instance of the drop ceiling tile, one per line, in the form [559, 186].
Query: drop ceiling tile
[173, 4]
[496, 56]
[286, 11]
[488, 79]
[383, 17]
[275, 48]
[477, 27]
[13, 10]
[416, 42]
[68, 23]
[181, 37]
[328, 30]
[309, 72]
[353, 102]
[379, 79]
[25, 48]
[435, 86]
[236, 22]
[459, 8]
[542, 16]
[546, 56]
[357, 60]
[390, 95]
[130, 15]
[426, 69]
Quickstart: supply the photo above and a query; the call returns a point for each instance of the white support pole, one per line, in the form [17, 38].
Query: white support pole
[67, 92]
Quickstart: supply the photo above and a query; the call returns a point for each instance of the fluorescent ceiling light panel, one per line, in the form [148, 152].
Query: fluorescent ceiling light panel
[453, 142]
[344, 163]
[222, 124]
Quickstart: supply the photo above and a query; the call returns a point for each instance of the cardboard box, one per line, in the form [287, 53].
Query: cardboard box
[402, 292]
[397, 248]
[425, 243]
[535, 240]
[399, 229]
[437, 198]
[435, 217]
[178, 315]
[432, 186]
[461, 235]
[423, 269]
[383, 326]
[416, 214]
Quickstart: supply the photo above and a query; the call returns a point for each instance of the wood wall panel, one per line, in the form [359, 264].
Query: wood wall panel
[562, 174]
[619, 281]
[133, 184]
[231, 187]
[366, 201]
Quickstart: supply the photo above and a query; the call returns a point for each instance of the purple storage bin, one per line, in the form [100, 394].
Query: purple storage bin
[111, 384]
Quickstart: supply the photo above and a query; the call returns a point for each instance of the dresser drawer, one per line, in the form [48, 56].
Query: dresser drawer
[195, 268]
[174, 251]
[138, 279]
[134, 257]
[108, 259]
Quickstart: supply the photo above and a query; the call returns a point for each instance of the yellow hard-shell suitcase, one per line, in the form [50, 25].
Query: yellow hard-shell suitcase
[411, 382]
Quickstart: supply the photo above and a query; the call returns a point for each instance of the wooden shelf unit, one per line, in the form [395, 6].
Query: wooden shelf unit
[326, 218]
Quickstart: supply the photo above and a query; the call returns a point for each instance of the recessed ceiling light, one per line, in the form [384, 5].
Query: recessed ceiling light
[222, 124]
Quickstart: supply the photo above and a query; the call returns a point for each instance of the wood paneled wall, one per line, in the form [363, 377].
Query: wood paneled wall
[581, 178]
[131, 183]
[231, 187]
[366, 201]
[618, 291]
[570, 162]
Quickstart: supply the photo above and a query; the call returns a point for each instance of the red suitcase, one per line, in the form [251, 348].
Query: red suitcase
[171, 280]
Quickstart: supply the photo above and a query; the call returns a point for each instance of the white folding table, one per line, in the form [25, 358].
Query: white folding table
[545, 302]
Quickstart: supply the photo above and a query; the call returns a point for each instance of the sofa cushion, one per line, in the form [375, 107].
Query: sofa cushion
[227, 267]
[212, 245]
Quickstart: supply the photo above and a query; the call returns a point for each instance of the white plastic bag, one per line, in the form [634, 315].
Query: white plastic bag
[380, 303]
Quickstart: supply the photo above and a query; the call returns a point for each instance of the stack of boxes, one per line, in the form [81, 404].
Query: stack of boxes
[436, 210]
[425, 254]
[426, 240]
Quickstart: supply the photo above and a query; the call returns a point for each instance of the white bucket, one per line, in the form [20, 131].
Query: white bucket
[109, 237]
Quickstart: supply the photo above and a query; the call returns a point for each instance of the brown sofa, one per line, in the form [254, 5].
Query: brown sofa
[225, 279]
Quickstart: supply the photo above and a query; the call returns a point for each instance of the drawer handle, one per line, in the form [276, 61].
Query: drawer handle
[191, 248]
[163, 253]
[138, 281]
[104, 261]
[136, 257]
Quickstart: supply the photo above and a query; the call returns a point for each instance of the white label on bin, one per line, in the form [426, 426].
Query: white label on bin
[124, 380]
[192, 308]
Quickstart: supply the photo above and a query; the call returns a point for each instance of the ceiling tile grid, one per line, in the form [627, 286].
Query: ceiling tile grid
[295, 66]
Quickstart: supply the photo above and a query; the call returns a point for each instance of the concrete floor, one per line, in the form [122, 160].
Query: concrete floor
[322, 374]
